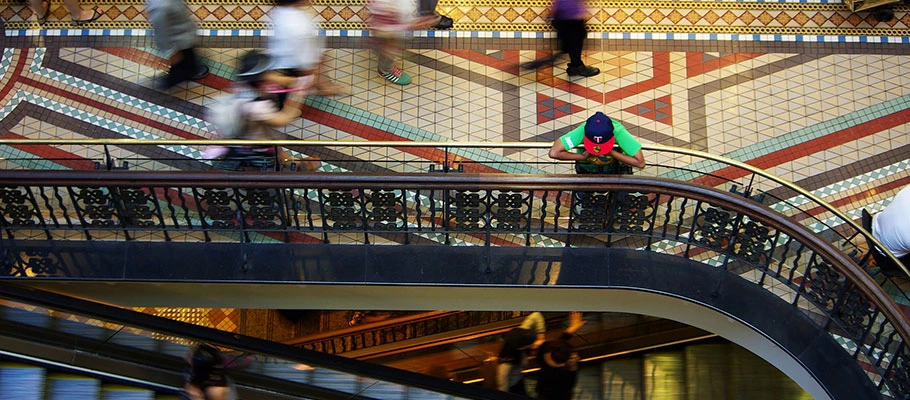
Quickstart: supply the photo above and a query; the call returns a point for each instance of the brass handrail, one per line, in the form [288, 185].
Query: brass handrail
[454, 145]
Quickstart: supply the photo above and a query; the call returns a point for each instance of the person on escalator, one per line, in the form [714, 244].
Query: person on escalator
[206, 375]
[516, 348]
[559, 364]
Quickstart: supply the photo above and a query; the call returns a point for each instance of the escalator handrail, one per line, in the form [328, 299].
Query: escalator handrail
[17, 293]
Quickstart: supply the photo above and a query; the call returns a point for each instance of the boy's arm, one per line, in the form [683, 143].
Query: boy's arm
[636, 160]
[559, 152]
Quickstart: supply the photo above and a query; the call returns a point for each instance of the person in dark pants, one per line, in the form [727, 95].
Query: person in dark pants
[427, 8]
[175, 36]
[516, 347]
[569, 23]
[206, 375]
[559, 364]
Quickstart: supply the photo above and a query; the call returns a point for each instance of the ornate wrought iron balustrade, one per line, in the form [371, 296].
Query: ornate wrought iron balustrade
[674, 163]
[345, 341]
[648, 214]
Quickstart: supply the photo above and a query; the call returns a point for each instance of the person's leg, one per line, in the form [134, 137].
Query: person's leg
[387, 50]
[41, 8]
[80, 15]
[185, 66]
[571, 34]
[574, 41]
[427, 8]
[502, 376]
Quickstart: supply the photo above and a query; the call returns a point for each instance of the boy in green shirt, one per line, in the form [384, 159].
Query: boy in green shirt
[599, 134]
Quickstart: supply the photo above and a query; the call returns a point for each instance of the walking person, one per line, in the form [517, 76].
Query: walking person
[296, 47]
[42, 9]
[569, 23]
[426, 9]
[390, 22]
[175, 36]
[260, 111]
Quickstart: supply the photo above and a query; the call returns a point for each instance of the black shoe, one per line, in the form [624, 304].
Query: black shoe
[201, 72]
[165, 82]
[582, 70]
[444, 23]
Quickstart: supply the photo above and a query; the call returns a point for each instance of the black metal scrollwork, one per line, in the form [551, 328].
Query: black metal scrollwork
[752, 240]
[16, 208]
[713, 228]
[854, 313]
[217, 206]
[97, 206]
[510, 212]
[467, 210]
[823, 284]
[632, 213]
[386, 210]
[589, 213]
[138, 207]
[263, 208]
[342, 208]
[899, 379]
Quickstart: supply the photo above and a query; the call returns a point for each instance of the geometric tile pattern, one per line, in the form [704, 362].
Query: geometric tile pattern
[658, 110]
[765, 17]
[549, 108]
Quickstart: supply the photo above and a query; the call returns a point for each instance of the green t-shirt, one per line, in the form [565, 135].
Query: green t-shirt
[626, 142]
[572, 141]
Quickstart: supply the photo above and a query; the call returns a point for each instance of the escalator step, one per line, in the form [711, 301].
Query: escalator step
[72, 387]
[21, 382]
[120, 392]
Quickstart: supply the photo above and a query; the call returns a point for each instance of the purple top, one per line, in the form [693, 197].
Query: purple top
[569, 9]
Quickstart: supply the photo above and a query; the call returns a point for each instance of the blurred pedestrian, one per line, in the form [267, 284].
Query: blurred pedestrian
[206, 375]
[42, 9]
[260, 112]
[426, 9]
[559, 364]
[390, 22]
[296, 46]
[516, 348]
[568, 19]
[175, 36]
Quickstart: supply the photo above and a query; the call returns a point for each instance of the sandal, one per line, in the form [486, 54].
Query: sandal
[96, 14]
[42, 19]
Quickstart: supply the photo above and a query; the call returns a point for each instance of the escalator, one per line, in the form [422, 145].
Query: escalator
[59, 347]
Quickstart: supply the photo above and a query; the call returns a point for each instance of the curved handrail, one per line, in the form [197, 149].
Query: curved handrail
[467, 182]
[452, 145]
[853, 304]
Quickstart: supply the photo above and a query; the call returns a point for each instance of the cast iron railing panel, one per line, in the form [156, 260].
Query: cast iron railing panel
[698, 223]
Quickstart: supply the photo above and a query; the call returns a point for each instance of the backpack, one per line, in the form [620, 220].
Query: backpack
[226, 114]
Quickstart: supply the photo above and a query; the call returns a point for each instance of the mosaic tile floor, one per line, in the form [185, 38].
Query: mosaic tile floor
[806, 90]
